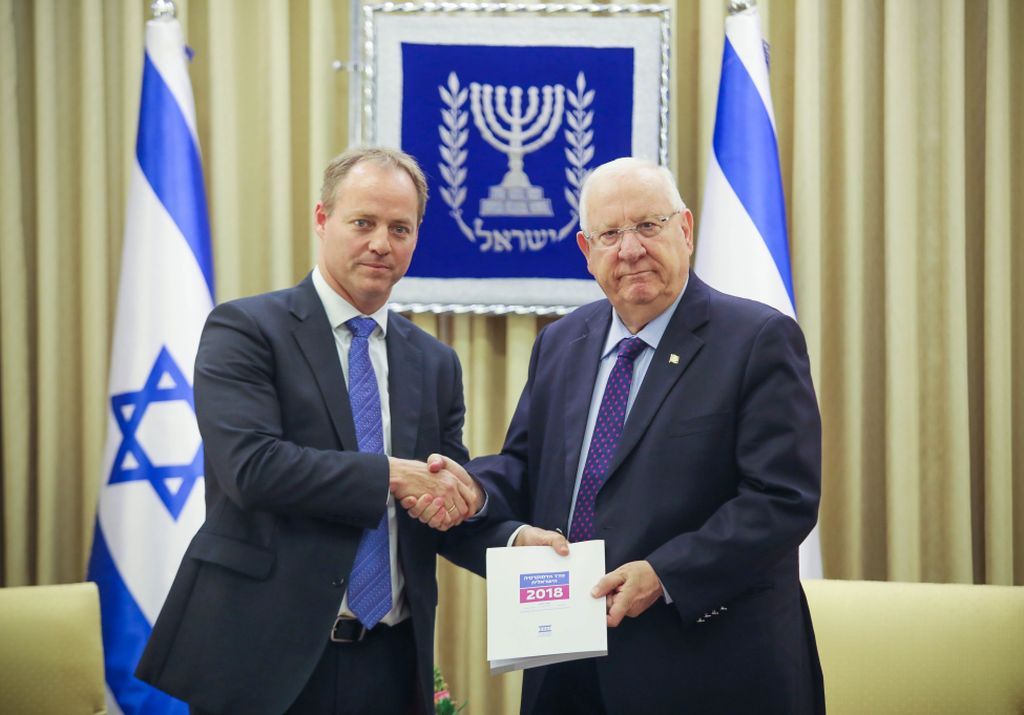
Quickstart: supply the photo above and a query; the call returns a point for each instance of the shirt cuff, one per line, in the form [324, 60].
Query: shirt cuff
[664, 591]
[483, 510]
[512, 539]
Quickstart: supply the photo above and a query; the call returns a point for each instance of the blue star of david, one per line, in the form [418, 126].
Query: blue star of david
[165, 383]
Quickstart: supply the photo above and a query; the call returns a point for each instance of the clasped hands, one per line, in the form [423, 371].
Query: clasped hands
[438, 492]
[629, 590]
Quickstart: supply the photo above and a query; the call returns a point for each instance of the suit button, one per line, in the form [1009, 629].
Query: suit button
[338, 582]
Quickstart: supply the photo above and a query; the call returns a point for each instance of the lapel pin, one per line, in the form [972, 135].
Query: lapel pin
[673, 359]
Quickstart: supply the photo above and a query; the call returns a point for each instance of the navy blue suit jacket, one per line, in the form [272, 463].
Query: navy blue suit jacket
[715, 482]
[287, 499]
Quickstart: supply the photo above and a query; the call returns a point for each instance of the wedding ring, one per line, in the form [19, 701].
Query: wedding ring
[450, 509]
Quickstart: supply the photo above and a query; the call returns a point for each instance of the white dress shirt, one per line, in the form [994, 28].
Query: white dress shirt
[339, 311]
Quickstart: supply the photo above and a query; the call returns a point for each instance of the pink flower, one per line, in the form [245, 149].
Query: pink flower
[441, 695]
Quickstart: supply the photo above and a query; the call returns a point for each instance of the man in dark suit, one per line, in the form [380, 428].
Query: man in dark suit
[305, 590]
[679, 425]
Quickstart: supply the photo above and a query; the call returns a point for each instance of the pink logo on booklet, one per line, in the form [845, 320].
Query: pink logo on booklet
[540, 587]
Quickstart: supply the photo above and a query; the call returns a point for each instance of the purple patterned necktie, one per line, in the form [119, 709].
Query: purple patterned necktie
[369, 588]
[605, 439]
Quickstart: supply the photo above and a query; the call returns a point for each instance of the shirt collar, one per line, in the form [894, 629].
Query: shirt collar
[340, 310]
[650, 333]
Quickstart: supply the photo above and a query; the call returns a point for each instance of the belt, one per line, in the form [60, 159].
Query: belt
[348, 629]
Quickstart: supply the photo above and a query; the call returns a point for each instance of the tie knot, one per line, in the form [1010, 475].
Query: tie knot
[361, 327]
[630, 348]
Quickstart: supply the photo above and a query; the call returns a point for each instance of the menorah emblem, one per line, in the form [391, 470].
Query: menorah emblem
[506, 127]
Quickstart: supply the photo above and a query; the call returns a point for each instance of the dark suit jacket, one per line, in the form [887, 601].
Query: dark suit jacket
[715, 482]
[287, 499]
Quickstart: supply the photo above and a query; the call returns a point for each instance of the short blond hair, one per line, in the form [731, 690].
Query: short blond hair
[341, 165]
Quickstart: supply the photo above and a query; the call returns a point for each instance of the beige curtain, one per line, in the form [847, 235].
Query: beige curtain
[495, 353]
[902, 144]
[270, 111]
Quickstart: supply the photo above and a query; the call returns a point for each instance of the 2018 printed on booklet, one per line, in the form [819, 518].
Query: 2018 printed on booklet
[539, 607]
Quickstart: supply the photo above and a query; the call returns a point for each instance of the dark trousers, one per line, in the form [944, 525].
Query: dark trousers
[374, 676]
[570, 689]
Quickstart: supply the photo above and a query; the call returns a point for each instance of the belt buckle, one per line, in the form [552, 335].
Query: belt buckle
[339, 622]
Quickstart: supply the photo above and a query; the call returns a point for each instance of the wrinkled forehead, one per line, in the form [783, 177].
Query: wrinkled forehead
[627, 195]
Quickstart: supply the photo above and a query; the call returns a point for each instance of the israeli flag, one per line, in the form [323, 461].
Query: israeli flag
[743, 247]
[151, 501]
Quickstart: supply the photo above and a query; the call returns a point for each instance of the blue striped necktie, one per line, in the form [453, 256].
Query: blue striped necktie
[369, 589]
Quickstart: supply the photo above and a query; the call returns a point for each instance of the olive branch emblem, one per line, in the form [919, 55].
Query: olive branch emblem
[580, 138]
[454, 133]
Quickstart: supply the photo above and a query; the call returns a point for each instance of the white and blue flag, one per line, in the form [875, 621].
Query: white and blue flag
[743, 248]
[151, 499]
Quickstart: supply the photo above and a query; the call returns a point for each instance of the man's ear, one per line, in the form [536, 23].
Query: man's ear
[319, 219]
[687, 222]
[584, 244]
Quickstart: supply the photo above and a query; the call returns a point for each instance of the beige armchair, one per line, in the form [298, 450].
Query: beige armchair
[51, 650]
[890, 647]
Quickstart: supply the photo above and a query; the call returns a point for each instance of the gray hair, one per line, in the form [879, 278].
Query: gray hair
[625, 168]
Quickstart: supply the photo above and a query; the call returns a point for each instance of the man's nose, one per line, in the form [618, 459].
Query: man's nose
[380, 243]
[630, 246]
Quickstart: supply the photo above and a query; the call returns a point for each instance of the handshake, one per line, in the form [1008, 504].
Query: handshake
[438, 492]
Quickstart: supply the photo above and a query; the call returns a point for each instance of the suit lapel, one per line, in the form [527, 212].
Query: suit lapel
[665, 370]
[315, 338]
[405, 388]
[580, 373]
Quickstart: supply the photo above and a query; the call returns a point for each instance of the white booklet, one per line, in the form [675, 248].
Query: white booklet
[539, 607]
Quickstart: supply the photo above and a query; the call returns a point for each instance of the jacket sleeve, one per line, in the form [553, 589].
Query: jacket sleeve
[240, 418]
[504, 477]
[778, 457]
[454, 418]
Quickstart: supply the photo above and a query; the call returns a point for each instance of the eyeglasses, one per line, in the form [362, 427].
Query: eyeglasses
[648, 228]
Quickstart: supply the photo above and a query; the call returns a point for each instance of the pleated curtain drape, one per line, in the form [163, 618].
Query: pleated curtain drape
[901, 133]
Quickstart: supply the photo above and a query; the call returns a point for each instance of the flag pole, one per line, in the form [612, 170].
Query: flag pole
[152, 487]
